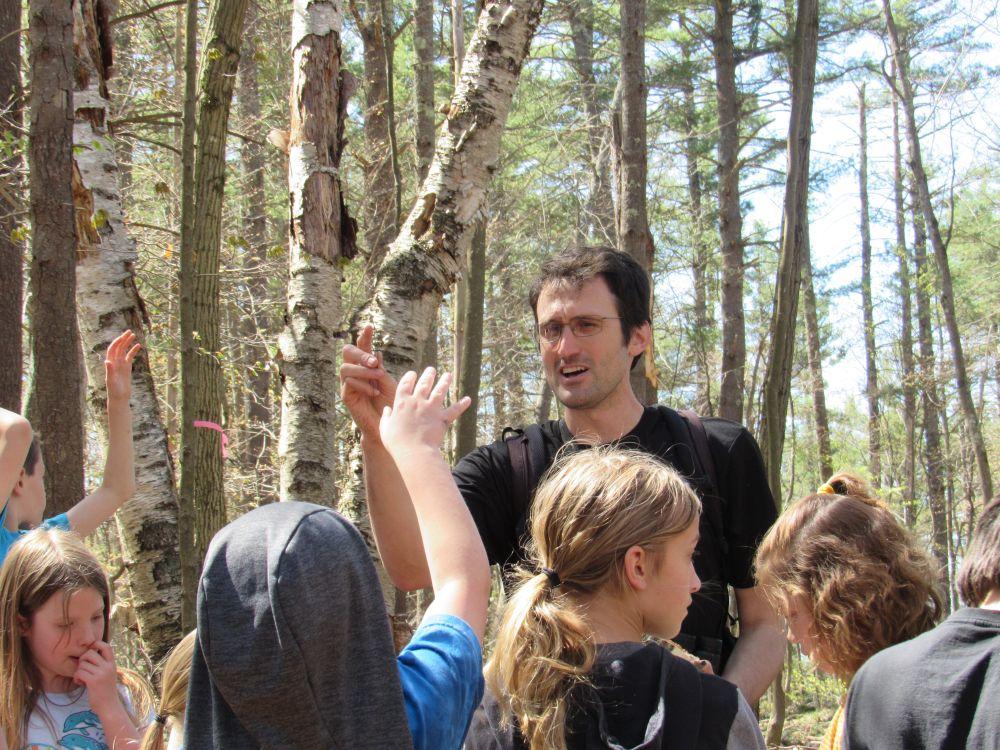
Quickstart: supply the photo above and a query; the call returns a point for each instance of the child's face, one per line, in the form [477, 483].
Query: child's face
[60, 632]
[801, 628]
[671, 584]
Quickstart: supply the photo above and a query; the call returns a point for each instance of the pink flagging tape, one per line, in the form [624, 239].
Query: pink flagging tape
[217, 428]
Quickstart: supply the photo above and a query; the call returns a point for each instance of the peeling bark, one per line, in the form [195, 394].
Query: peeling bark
[321, 233]
[108, 302]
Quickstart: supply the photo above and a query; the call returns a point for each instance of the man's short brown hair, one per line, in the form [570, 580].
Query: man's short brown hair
[980, 571]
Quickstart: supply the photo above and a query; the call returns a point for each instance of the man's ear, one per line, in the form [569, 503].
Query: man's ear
[639, 340]
[636, 565]
[18, 485]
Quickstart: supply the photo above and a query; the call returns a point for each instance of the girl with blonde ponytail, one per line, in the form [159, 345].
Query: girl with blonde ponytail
[173, 698]
[613, 533]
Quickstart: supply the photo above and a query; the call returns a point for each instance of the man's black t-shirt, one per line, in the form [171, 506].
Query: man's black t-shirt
[486, 481]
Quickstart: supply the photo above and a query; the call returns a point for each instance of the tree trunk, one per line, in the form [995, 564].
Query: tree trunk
[321, 234]
[906, 334]
[794, 252]
[702, 320]
[11, 247]
[466, 433]
[380, 214]
[428, 254]
[969, 414]
[202, 384]
[777, 378]
[818, 388]
[109, 303]
[934, 466]
[424, 44]
[56, 399]
[734, 348]
[633, 225]
[599, 220]
[871, 374]
[255, 326]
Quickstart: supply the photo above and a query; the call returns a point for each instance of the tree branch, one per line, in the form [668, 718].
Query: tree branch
[146, 11]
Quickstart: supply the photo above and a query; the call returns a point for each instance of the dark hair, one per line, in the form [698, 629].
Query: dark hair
[627, 280]
[31, 458]
[980, 571]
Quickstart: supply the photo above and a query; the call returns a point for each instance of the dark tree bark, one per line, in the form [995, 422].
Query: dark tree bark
[423, 71]
[906, 326]
[777, 378]
[634, 236]
[202, 383]
[11, 248]
[734, 350]
[254, 325]
[702, 318]
[815, 344]
[56, 399]
[188, 551]
[970, 416]
[599, 211]
[466, 433]
[871, 373]
[934, 466]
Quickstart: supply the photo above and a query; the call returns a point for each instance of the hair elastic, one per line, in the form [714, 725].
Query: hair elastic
[826, 489]
[160, 719]
[554, 579]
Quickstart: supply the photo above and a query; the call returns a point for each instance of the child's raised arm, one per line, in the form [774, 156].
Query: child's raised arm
[412, 431]
[15, 439]
[119, 469]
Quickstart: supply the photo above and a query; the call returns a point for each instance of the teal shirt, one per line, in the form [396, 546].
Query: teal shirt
[8, 537]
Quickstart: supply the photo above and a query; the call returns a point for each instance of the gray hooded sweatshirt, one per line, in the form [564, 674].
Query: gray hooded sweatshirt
[294, 648]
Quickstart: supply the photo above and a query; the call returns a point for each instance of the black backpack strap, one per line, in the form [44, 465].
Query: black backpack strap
[527, 462]
[681, 692]
[711, 503]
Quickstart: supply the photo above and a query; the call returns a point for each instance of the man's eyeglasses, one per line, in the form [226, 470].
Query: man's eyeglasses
[582, 327]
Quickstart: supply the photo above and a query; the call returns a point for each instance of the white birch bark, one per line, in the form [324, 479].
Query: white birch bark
[320, 233]
[108, 302]
[432, 245]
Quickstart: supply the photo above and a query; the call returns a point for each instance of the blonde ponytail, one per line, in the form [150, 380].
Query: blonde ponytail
[589, 510]
[173, 700]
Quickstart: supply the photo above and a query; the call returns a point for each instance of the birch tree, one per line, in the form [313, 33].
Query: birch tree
[426, 257]
[321, 233]
[108, 303]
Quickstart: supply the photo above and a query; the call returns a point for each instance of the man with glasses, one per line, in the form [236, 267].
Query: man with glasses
[591, 308]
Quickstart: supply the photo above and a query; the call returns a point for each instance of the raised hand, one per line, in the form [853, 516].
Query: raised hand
[418, 418]
[365, 387]
[118, 365]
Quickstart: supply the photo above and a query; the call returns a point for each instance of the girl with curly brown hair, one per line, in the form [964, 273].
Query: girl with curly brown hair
[849, 579]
